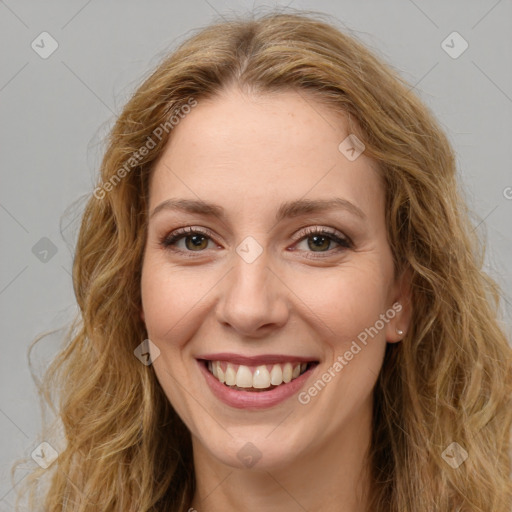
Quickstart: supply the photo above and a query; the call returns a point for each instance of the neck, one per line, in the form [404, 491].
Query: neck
[332, 476]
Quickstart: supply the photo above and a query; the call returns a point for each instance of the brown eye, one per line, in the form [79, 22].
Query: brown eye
[197, 242]
[319, 242]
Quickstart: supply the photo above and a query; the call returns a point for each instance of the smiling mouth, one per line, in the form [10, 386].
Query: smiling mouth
[257, 378]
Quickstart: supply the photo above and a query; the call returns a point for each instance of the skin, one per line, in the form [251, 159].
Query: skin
[248, 154]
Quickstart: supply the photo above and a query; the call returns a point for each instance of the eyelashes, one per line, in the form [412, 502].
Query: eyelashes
[169, 241]
[316, 234]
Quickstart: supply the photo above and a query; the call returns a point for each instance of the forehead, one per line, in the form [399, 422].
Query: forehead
[251, 151]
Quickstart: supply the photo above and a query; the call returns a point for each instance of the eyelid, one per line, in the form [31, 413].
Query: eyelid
[312, 230]
[180, 232]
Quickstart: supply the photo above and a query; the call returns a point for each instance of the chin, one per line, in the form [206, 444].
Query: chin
[255, 449]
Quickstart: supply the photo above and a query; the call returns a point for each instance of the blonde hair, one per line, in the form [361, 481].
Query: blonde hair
[448, 381]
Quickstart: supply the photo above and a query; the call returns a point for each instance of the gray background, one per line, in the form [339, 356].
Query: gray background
[55, 112]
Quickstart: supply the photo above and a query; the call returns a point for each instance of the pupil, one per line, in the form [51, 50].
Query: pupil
[316, 238]
[196, 240]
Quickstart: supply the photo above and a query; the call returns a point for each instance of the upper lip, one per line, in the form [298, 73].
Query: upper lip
[255, 360]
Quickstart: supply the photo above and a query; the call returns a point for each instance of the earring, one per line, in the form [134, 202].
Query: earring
[399, 332]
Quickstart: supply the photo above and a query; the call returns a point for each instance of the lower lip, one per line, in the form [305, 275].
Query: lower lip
[254, 399]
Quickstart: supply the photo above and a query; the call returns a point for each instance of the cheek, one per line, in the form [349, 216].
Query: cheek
[171, 299]
[346, 299]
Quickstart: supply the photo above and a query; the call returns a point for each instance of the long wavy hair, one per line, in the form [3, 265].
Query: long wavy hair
[449, 380]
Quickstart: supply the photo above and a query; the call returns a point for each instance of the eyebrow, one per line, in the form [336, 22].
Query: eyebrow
[289, 209]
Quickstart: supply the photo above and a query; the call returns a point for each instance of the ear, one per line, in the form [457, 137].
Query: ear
[399, 323]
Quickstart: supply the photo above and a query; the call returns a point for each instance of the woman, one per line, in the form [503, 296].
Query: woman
[282, 302]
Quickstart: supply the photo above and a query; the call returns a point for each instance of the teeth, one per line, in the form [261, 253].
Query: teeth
[276, 375]
[230, 376]
[220, 374]
[243, 377]
[261, 377]
[287, 372]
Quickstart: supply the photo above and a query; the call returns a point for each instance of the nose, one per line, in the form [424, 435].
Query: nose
[254, 300]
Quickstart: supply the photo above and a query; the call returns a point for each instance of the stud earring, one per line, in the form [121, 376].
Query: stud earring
[399, 332]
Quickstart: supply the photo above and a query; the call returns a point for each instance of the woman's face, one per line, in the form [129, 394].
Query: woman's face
[255, 286]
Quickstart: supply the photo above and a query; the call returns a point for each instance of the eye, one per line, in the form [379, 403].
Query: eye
[196, 239]
[320, 239]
